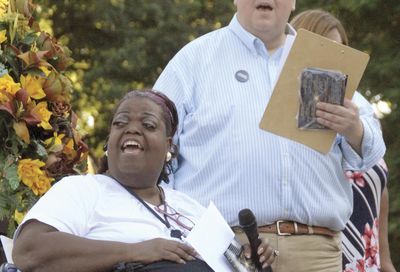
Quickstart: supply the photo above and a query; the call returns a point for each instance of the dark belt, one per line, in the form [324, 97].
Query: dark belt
[284, 228]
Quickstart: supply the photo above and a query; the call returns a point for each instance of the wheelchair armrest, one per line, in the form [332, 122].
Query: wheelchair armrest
[7, 267]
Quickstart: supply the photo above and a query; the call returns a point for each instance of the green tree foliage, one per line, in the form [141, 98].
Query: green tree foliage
[121, 45]
[124, 44]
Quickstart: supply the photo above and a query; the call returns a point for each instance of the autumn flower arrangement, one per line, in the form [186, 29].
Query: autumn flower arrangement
[39, 143]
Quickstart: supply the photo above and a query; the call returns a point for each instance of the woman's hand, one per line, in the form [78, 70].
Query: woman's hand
[265, 253]
[345, 120]
[163, 249]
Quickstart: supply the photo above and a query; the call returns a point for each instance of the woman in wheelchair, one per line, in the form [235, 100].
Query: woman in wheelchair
[121, 217]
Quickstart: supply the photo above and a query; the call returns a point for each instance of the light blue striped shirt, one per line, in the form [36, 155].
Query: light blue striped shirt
[226, 158]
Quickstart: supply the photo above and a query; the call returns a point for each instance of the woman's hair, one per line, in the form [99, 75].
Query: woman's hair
[170, 117]
[319, 22]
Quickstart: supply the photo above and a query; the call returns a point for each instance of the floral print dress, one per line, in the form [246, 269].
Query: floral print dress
[360, 237]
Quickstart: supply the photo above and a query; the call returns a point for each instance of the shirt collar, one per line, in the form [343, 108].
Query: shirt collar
[248, 39]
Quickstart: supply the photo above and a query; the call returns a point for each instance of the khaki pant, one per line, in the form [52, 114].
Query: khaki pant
[308, 253]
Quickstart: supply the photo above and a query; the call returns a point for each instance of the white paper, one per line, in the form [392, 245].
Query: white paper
[7, 247]
[210, 237]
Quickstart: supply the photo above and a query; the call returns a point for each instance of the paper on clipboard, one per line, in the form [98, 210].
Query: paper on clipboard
[309, 50]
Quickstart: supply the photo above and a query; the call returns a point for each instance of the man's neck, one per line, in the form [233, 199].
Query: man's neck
[272, 40]
[273, 44]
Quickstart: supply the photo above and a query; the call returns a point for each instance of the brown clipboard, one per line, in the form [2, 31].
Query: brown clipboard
[309, 50]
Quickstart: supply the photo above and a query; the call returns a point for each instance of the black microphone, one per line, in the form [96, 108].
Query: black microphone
[248, 222]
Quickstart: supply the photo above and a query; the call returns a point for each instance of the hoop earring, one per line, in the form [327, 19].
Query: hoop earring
[169, 156]
[105, 148]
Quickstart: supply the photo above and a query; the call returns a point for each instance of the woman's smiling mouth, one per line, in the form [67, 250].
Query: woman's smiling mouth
[131, 147]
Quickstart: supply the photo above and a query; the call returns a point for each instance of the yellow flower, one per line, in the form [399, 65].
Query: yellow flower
[55, 143]
[33, 85]
[3, 6]
[69, 149]
[22, 131]
[41, 185]
[32, 176]
[44, 115]
[29, 170]
[3, 36]
[3, 97]
[8, 85]
[45, 70]
[18, 216]
[35, 97]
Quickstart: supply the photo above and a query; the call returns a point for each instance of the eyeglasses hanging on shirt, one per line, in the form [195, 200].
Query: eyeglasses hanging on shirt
[172, 214]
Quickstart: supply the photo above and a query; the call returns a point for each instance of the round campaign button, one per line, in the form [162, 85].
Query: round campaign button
[242, 76]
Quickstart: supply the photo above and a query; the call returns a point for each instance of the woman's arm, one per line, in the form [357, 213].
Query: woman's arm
[386, 261]
[40, 247]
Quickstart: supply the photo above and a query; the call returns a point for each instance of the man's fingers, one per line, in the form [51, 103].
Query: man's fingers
[272, 257]
[347, 103]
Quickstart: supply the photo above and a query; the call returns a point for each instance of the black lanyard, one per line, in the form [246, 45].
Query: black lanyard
[175, 233]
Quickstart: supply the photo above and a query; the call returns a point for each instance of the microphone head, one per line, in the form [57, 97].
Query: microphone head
[246, 217]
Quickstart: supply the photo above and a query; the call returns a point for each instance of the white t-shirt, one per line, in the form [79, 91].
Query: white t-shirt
[98, 207]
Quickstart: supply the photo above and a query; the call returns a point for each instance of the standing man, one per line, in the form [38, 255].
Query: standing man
[221, 84]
